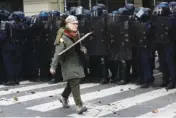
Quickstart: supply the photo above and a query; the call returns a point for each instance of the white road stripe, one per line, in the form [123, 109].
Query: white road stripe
[26, 88]
[39, 95]
[25, 82]
[168, 111]
[125, 103]
[21, 83]
[85, 97]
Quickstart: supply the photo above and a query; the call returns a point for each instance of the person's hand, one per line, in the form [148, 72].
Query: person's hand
[52, 71]
[83, 49]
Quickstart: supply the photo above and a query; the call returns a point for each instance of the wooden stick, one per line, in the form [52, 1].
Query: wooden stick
[86, 35]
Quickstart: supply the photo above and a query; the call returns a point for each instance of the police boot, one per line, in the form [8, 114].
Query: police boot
[149, 82]
[165, 82]
[123, 75]
[104, 70]
[171, 85]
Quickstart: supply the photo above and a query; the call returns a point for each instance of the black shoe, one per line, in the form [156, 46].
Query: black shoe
[113, 80]
[53, 81]
[104, 81]
[171, 85]
[145, 85]
[17, 82]
[122, 82]
[164, 84]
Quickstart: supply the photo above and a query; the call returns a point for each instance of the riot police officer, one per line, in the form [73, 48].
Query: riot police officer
[43, 47]
[12, 48]
[3, 36]
[97, 46]
[164, 28]
[54, 22]
[131, 8]
[123, 47]
[143, 40]
[113, 37]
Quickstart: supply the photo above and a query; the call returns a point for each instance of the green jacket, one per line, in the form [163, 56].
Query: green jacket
[70, 62]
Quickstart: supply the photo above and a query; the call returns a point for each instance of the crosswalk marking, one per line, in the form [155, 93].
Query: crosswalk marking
[26, 88]
[125, 103]
[101, 100]
[21, 83]
[25, 82]
[168, 111]
[85, 97]
[39, 95]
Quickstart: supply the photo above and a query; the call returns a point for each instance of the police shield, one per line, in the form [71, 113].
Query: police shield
[162, 28]
[97, 42]
[120, 44]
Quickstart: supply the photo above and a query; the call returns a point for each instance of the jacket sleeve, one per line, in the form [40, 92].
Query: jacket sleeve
[55, 59]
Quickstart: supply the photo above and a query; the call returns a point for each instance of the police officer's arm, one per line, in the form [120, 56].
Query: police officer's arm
[55, 60]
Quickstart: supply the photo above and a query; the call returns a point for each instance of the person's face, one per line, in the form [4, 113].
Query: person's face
[73, 26]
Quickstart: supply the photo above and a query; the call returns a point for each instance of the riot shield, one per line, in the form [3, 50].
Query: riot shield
[97, 44]
[162, 28]
[120, 44]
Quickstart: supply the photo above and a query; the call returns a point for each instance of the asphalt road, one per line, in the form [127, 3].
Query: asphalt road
[110, 100]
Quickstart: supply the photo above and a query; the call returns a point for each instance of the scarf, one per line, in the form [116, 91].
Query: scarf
[68, 32]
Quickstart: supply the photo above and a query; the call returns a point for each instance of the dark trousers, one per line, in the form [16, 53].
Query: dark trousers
[145, 64]
[166, 59]
[73, 86]
[12, 59]
[134, 62]
[44, 60]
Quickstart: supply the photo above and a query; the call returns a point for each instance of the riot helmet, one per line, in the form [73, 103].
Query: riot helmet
[4, 14]
[35, 20]
[43, 15]
[28, 20]
[162, 10]
[130, 8]
[123, 11]
[97, 11]
[143, 14]
[137, 9]
[101, 6]
[172, 7]
[79, 11]
[17, 16]
[163, 4]
[54, 13]
[72, 10]
[87, 12]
